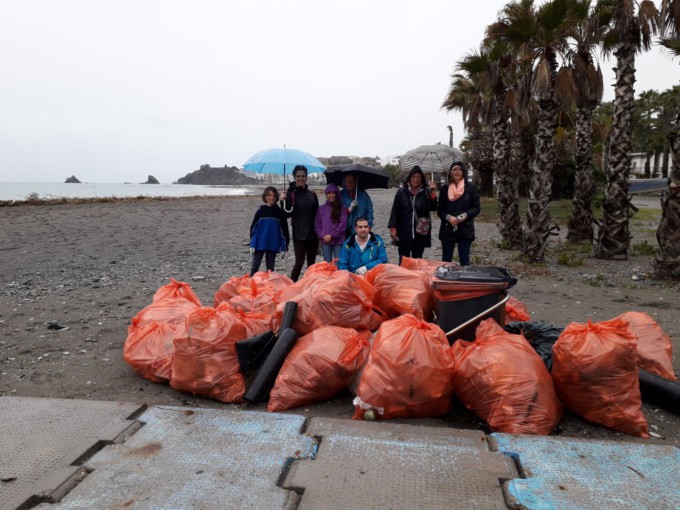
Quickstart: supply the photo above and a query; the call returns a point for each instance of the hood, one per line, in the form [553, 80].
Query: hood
[332, 188]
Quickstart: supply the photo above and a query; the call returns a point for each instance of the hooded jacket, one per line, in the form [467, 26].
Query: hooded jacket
[269, 229]
[323, 224]
[352, 257]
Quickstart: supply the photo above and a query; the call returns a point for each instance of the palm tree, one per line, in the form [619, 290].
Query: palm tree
[667, 260]
[540, 36]
[488, 65]
[587, 75]
[630, 31]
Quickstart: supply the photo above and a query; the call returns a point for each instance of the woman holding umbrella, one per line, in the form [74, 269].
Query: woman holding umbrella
[458, 206]
[300, 205]
[410, 223]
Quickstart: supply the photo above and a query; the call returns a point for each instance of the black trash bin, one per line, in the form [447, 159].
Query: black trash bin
[465, 292]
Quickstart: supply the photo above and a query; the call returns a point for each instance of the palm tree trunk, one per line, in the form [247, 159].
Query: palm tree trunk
[506, 181]
[539, 224]
[667, 261]
[613, 236]
[581, 222]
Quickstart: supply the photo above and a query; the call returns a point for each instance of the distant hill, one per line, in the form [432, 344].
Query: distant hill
[216, 176]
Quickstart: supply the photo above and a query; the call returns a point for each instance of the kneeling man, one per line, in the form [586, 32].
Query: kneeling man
[362, 251]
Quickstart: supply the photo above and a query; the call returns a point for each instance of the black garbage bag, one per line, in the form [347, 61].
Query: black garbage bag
[541, 335]
[253, 351]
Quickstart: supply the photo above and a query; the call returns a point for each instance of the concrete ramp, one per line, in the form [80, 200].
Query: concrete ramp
[44, 442]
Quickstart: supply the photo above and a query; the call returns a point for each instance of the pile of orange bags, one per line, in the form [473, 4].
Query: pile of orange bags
[409, 372]
[400, 291]
[501, 379]
[596, 375]
[654, 347]
[516, 311]
[205, 360]
[319, 367]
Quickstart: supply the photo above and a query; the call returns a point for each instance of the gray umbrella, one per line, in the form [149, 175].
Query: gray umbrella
[431, 158]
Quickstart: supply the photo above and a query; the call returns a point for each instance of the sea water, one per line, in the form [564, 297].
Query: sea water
[52, 190]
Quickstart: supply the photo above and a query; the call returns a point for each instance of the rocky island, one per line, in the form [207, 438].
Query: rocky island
[72, 180]
[209, 175]
[151, 180]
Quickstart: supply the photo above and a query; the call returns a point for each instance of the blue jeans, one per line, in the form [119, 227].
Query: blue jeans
[330, 251]
[463, 251]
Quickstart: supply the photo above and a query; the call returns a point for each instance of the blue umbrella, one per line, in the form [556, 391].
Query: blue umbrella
[282, 162]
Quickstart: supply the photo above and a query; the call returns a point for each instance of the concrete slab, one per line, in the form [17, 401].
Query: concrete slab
[191, 458]
[44, 441]
[570, 473]
[380, 465]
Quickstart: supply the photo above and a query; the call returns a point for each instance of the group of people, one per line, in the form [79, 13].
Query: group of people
[342, 225]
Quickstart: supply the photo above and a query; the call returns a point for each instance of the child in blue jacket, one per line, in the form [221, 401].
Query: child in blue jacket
[268, 231]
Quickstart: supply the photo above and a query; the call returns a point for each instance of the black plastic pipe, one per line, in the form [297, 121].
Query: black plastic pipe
[264, 380]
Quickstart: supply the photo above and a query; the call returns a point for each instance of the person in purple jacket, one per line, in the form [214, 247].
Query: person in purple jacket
[330, 224]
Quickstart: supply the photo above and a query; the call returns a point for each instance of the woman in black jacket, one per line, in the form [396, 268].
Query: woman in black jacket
[410, 224]
[458, 206]
[300, 204]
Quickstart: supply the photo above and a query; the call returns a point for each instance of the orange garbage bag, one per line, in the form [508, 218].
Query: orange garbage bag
[319, 367]
[272, 279]
[148, 350]
[654, 347]
[324, 268]
[400, 291]
[501, 379]
[169, 310]
[596, 375]
[343, 299]
[205, 360]
[409, 372]
[429, 266]
[259, 288]
[231, 288]
[176, 289]
[516, 311]
[255, 323]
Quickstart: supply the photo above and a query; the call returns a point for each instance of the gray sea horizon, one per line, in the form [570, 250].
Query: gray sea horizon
[55, 190]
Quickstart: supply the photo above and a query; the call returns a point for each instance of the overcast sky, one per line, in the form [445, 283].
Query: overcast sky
[112, 91]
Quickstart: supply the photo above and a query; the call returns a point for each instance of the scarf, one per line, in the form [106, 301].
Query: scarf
[456, 191]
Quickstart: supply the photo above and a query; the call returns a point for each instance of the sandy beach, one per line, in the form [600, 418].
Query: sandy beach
[92, 267]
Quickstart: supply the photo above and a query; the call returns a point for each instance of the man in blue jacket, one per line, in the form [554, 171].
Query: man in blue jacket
[357, 202]
[362, 251]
